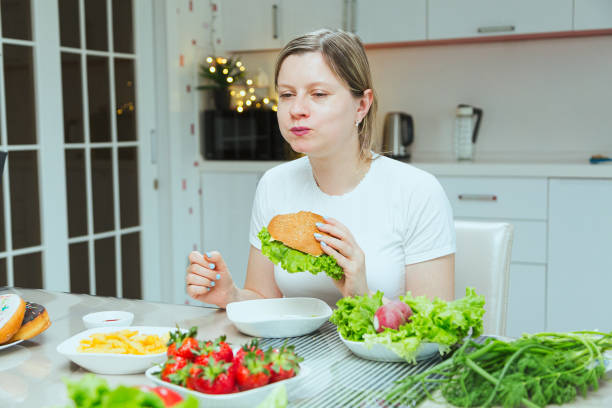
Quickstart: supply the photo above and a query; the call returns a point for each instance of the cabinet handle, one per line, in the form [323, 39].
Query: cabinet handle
[496, 29]
[275, 21]
[354, 16]
[477, 197]
[345, 15]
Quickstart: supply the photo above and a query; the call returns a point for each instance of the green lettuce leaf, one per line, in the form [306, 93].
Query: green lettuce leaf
[294, 261]
[91, 391]
[354, 315]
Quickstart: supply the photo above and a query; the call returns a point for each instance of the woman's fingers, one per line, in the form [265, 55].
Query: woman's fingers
[340, 246]
[198, 269]
[195, 291]
[340, 259]
[198, 280]
[335, 228]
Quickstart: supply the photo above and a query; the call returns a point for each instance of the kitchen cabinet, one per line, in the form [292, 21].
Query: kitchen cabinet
[270, 24]
[226, 203]
[249, 25]
[299, 17]
[522, 202]
[479, 18]
[579, 244]
[388, 21]
[592, 14]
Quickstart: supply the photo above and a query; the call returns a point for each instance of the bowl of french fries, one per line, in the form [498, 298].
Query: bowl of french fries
[117, 350]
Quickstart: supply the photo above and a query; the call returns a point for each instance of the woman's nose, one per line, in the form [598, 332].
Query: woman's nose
[299, 107]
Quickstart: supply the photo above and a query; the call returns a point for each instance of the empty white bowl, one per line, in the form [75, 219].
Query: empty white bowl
[283, 317]
[108, 319]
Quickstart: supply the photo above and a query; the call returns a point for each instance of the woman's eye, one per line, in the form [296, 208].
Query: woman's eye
[319, 94]
[285, 95]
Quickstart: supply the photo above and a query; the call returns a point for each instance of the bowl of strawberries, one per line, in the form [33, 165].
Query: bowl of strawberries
[219, 375]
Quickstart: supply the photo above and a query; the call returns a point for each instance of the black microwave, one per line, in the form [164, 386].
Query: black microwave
[251, 135]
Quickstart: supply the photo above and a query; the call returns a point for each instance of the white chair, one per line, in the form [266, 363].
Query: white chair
[483, 262]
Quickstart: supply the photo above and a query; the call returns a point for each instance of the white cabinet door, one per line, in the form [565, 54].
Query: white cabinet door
[592, 14]
[477, 18]
[389, 20]
[579, 246]
[299, 17]
[227, 200]
[526, 299]
[250, 25]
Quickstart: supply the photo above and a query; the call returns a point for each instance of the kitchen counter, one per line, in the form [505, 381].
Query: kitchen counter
[31, 372]
[447, 168]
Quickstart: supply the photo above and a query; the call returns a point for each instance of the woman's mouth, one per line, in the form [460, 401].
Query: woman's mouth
[299, 130]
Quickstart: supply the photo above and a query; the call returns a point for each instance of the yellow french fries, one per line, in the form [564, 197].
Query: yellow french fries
[124, 342]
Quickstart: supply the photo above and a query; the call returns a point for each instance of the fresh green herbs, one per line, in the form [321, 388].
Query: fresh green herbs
[293, 260]
[533, 371]
[437, 321]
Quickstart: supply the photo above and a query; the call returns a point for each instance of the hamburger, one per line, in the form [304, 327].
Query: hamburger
[289, 240]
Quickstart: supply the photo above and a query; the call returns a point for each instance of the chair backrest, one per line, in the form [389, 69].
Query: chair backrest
[483, 262]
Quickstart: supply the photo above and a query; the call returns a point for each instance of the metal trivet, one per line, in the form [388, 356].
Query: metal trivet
[338, 378]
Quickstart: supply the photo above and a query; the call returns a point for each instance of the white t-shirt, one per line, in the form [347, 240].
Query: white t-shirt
[398, 214]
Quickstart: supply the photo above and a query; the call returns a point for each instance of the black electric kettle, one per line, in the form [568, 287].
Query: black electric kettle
[398, 133]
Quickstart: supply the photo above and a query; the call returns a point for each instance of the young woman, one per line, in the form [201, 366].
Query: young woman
[391, 225]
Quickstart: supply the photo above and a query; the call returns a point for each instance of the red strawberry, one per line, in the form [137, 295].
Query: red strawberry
[177, 339]
[188, 348]
[252, 372]
[219, 349]
[171, 366]
[253, 346]
[283, 363]
[213, 378]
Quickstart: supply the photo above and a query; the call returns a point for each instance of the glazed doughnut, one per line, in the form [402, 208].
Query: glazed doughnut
[12, 311]
[35, 321]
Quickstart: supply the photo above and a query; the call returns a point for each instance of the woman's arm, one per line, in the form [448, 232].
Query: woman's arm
[260, 282]
[432, 278]
[210, 281]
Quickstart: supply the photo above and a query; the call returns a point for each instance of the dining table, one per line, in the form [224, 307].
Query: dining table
[32, 373]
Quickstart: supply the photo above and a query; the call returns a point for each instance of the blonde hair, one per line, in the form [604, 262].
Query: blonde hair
[346, 57]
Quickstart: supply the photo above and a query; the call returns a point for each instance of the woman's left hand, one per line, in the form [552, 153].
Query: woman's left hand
[341, 245]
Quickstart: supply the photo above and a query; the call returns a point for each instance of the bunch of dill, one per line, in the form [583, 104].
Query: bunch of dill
[535, 370]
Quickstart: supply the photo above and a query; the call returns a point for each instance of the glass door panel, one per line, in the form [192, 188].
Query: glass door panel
[16, 19]
[102, 147]
[19, 94]
[69, 23]
[96, 32]
[21, 244]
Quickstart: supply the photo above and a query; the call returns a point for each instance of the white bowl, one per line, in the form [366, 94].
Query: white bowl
[110, 363]
[108, 318]
[378, 352]
[283, 317]
[242, 399]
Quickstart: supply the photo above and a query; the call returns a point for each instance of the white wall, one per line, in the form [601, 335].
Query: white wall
[543, 100]
[182, 39]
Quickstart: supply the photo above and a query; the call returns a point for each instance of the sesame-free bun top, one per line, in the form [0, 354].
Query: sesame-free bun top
[296, 230]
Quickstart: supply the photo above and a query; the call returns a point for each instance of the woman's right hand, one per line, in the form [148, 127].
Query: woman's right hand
[208, 279]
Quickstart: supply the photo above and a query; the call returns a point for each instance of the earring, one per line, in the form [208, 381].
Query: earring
[356, 123]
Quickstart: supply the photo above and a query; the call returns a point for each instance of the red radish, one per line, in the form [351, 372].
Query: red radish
[391, 315]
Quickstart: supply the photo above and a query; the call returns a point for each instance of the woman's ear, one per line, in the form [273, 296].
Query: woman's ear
[365, 101]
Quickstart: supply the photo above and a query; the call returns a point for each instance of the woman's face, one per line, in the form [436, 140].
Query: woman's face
[316, 111]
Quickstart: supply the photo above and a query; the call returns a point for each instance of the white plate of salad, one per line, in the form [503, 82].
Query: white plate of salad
[408, 329]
